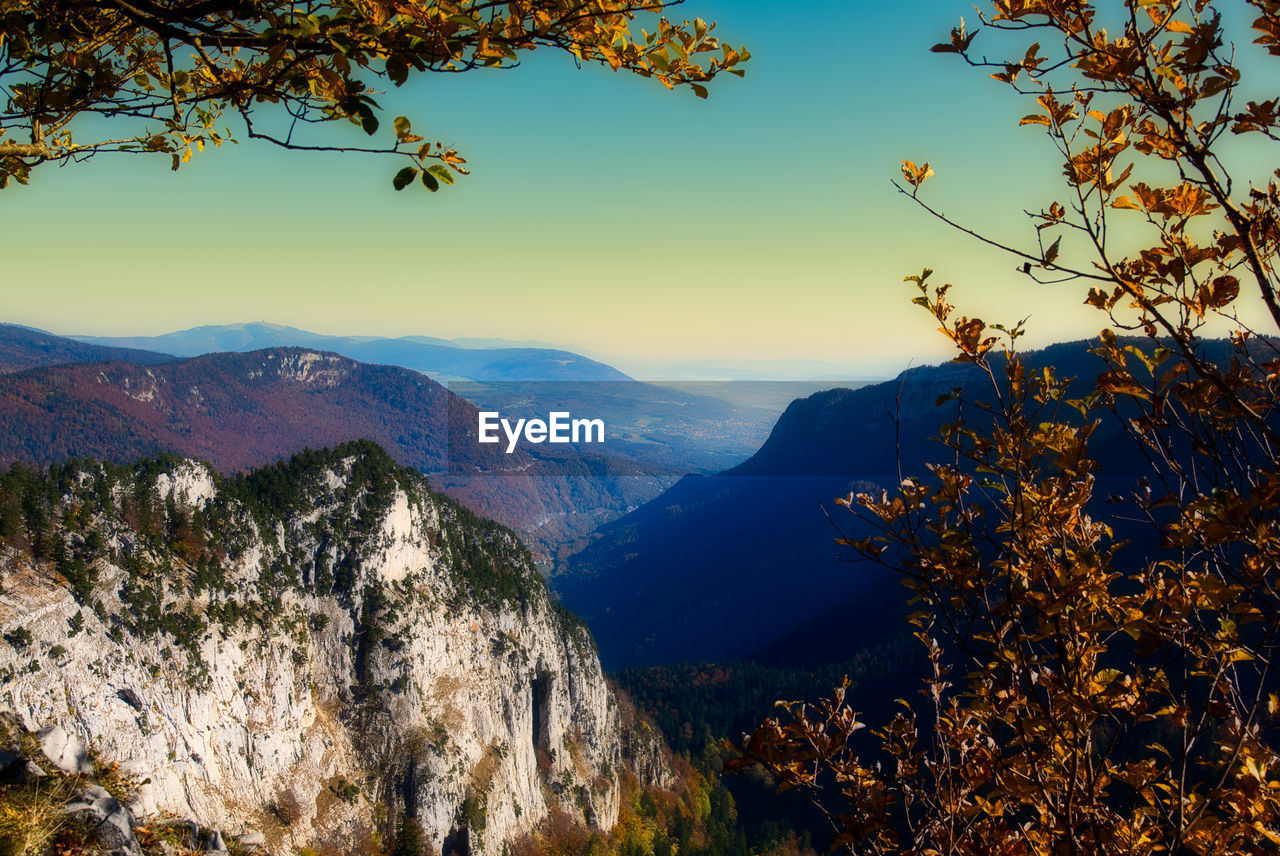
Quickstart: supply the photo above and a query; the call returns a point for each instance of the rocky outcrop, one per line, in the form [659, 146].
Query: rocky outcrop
[67, 752]
[109, 822]
[306, 654]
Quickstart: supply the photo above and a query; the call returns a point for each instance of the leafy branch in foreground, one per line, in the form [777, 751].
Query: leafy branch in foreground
[148, 76]
[1102, 620]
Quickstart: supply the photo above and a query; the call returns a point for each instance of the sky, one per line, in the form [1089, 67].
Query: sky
[604, 214]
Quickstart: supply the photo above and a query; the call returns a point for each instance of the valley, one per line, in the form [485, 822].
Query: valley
[188, 541]
[705, 594]
[672, 428]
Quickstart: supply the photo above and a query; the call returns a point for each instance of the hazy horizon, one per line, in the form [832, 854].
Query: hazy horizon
[657, 369]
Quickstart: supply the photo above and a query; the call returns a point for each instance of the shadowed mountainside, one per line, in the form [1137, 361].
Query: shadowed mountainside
[721, 566]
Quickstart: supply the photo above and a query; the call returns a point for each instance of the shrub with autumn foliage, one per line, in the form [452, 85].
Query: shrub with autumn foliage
[1102, 644]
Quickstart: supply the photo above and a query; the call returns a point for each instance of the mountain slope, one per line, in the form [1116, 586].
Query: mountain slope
[436, 357]
[242, 410]
[310, 652]
[25, 348]
[721, 566]
[234, 410]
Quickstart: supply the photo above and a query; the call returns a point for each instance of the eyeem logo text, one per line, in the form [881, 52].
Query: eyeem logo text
[558, 427]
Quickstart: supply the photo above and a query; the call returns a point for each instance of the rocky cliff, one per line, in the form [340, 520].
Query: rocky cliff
[309, 653]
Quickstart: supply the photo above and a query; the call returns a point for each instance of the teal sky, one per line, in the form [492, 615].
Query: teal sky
[604, 213]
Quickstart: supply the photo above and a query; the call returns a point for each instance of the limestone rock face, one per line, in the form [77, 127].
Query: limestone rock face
[308, 653]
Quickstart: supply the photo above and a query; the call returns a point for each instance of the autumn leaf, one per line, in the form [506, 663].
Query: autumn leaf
[915, 175]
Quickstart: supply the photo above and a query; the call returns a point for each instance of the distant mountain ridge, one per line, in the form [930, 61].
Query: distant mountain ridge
[472, 359]
[27, 348]
[675, 429]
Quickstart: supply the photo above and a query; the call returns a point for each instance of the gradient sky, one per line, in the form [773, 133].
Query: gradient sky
[604, 213]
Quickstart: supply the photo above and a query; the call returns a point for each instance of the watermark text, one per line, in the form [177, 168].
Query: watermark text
[558, 427]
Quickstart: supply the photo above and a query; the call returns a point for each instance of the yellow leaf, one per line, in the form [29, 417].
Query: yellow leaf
[1271, 836]
[916, 175]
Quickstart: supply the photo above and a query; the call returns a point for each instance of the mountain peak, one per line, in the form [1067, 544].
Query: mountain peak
[260, 636]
